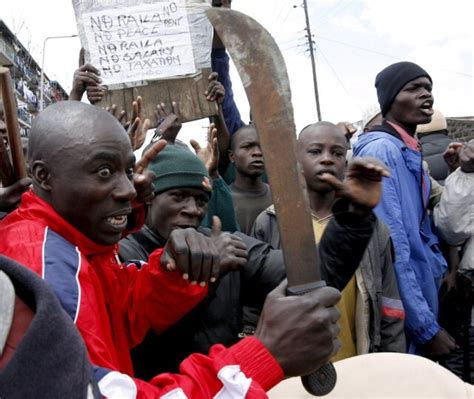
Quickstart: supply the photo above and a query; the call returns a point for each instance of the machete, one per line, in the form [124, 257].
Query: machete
[263, 73]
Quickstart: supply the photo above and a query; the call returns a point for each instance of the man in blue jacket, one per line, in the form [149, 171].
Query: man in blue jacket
[404, 94]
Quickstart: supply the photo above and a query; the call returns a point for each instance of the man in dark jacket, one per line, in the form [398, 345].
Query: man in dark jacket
[372, 314]
[249, 268]
[434, 141]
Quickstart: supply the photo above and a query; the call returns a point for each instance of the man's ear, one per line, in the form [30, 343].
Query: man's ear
[231, 156]
[41, 175]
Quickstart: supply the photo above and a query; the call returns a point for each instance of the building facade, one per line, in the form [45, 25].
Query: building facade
[26, 75]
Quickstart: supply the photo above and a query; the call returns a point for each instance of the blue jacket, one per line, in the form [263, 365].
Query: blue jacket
[418, 261]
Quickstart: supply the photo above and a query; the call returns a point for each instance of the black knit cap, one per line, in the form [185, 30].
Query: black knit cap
[177, 167]
[391, 80]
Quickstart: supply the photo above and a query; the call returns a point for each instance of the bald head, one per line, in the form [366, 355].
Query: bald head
[309, 132]
[81, 162]
[65, 125]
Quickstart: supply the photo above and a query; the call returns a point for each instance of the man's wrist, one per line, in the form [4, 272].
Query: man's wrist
[358, 209]
[76, 95]
[343, 214]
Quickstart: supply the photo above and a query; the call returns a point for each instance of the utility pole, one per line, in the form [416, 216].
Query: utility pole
[313, 63]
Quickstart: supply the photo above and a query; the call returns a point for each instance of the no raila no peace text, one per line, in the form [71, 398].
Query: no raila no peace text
[121, 40]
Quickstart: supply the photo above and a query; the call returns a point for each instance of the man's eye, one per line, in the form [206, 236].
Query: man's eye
[178, 196]
[130, 172]
[105, 172]
[315, 151]
[202, 201]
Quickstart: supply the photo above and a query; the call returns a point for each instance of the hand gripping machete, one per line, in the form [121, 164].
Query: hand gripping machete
[263, 73]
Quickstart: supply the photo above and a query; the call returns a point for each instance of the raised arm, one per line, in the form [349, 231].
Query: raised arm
[220, 64]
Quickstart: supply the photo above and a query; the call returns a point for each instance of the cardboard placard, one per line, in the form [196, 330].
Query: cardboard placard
[158, 49]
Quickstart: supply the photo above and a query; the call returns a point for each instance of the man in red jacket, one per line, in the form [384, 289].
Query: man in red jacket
[86, 194]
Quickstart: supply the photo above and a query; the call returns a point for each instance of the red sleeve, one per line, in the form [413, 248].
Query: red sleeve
[156, 298]
[245, 370]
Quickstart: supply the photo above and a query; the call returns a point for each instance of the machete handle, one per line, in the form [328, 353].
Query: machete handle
[321, 382]
[324, 380]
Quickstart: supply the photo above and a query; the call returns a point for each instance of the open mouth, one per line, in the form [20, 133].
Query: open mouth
[322, 172]
[118, 220]
[427, 108]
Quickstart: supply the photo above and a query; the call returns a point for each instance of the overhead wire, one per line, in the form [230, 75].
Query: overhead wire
[275, 23]
[382, 54]
[292, 48]
[288, 42]
[322, 22]
[281, 11]
[286, 16]
[340, 7]
[318, 48]
[324, 15]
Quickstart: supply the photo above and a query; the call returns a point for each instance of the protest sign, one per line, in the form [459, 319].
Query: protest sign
[158, 49]
[149, 41]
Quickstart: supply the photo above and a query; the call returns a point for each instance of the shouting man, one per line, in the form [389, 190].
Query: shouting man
[404, 94]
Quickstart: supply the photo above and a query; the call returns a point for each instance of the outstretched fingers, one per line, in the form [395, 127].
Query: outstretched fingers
[149, 155]
[368, 168]
[195, 146]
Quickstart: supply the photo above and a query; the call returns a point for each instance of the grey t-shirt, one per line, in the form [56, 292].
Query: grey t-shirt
[249, 204]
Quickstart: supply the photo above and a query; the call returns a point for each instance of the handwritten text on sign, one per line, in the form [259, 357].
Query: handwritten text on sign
[143, 42]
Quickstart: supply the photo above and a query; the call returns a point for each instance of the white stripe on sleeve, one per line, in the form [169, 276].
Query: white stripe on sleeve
[116, 385]
[177, 393]
[236, 384]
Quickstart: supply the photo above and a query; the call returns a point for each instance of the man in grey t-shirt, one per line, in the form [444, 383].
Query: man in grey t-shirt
[249, 193]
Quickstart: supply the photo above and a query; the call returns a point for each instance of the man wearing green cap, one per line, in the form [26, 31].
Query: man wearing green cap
[249, 268]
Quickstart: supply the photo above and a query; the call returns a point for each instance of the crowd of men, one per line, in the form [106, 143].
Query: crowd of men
[169, 269]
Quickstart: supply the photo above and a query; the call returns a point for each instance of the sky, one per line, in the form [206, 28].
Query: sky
[354, 40]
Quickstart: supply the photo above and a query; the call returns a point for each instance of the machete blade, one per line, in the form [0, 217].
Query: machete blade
[263, 73]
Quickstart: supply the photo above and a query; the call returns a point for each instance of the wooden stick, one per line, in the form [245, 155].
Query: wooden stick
[6, 170]
[13, 130]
